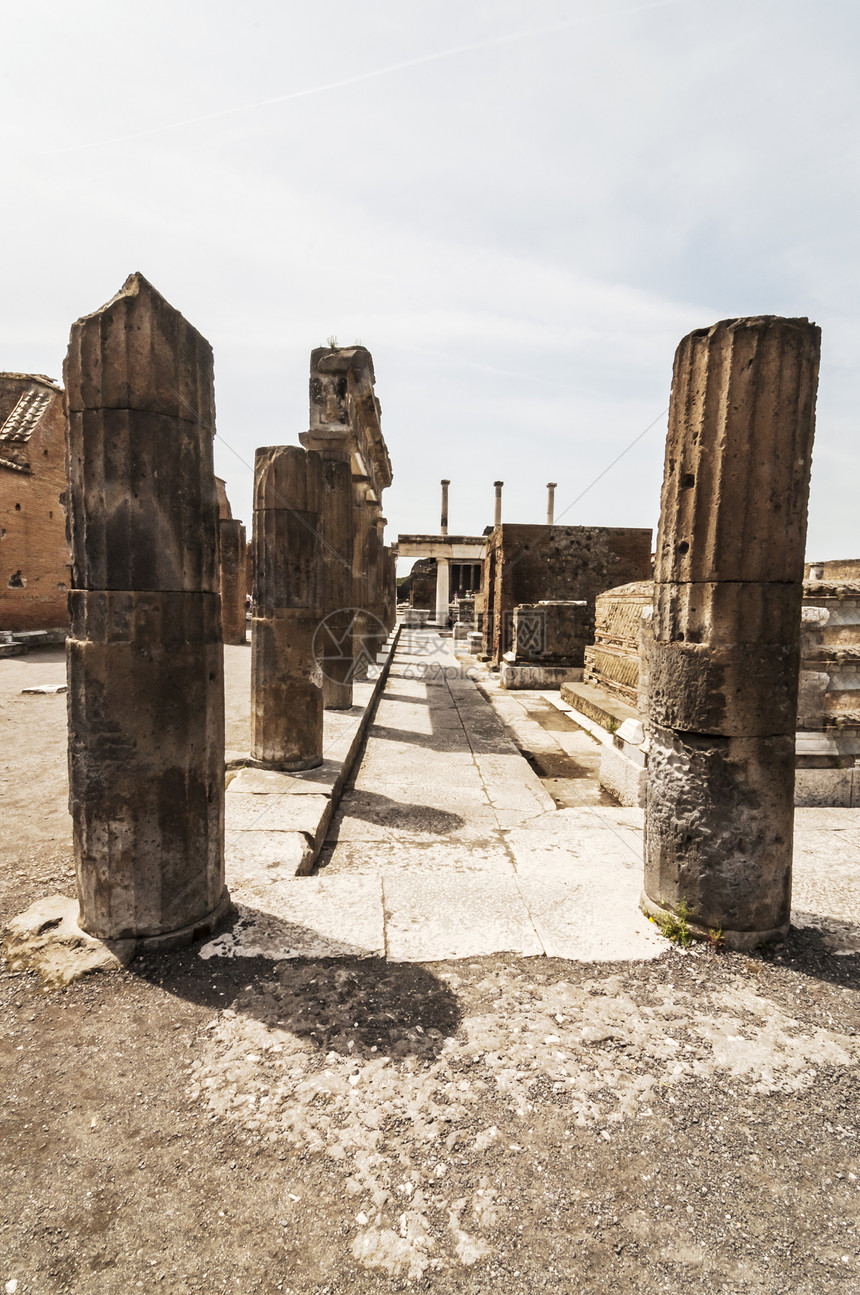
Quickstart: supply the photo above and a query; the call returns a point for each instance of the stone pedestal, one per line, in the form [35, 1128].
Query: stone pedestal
[722, 656]
[233, 587]
[146, 699]
[286, 678]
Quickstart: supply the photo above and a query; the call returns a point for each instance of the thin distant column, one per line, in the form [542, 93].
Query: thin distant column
[550, 502]
[286, 678]
[497, 519]
[233, 581]
[444, 522]
[722, 656]
[443, 599]
[146, 687]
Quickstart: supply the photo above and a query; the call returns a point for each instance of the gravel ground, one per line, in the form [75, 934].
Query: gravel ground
[493, 1124]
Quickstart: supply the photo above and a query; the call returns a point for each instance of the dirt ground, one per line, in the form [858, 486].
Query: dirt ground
[499, 1124]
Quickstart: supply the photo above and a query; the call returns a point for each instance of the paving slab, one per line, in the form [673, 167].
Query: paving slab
[431, 918]
[312, 917]
[570, 916]
[491, 855]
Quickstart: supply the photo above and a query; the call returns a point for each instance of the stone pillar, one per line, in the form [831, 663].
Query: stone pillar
[722, 652]
[443, 567]
[550, 502]
[444, 523]
[390, 588]
[497, 519]
[364, 647]
[145, 662]
[233, 581]
[286, 680]
[334, 641]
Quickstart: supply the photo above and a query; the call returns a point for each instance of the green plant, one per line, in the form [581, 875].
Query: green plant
[715, 939]
[332, 342]
[675, 924]
[611, 724]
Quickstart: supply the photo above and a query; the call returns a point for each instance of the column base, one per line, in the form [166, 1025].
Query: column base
[285, 766]
[741, 941]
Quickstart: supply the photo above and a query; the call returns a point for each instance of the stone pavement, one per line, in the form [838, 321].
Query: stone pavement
[449, 846]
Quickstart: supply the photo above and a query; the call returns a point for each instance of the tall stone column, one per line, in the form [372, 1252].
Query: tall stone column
[550, 502]
[334, 640]
[497, 516]
[286, 679]
[233, 580]
[443, 599]
[146, 688]
[722, 655]
[443, 524]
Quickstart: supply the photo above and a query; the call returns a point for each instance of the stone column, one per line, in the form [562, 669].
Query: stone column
[550, 502]
[286, 680]
[334, 642]
[233, 581]
[444, 522]
[363, 646]
[722, 653]
[443, 568]
[145, 662]
[497, 519]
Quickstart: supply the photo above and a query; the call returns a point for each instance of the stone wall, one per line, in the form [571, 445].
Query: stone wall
[34, 552]
[530, 564]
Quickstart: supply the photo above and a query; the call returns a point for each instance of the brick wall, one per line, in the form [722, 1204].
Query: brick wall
[34, 554]
[530, 564]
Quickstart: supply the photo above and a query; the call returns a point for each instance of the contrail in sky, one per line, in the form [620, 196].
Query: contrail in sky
[420, 61]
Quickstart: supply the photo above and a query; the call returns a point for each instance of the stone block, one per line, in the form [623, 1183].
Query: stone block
[739, 452]
[552, 633]
[623, 777]
[718, 830]
[146, 760]
[725, 613]
[735, 690]
[138, 352]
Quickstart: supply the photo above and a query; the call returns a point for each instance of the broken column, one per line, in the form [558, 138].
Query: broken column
[286, 678]
[233, 587]
[146, 689]
[550, 502]
[443, 524]
[722, 655]
[331, 436]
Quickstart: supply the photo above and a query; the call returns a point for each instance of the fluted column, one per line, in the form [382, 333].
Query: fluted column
[146, 688]
[233, 581]
[722, 655]
[334, 645]
[286, 679]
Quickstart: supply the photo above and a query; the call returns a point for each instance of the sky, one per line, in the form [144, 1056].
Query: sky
[519, 206]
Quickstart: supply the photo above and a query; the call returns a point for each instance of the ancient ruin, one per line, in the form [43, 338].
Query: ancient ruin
[723, 649]
[34, 579]
[233, 579]
[145, 659]
[359, 572]
[286, 679]
[534, 564]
